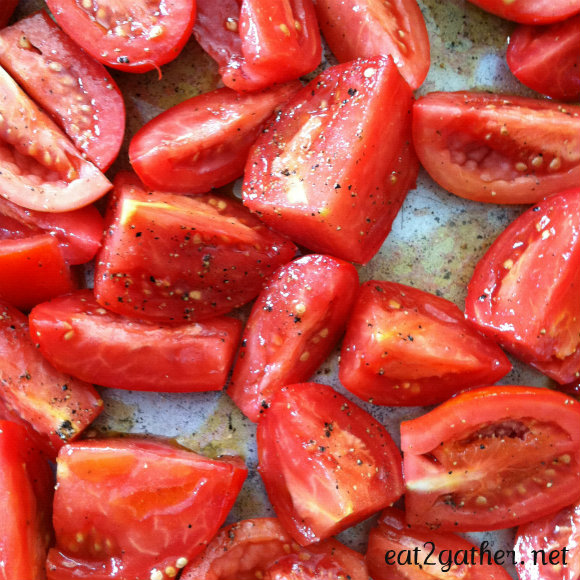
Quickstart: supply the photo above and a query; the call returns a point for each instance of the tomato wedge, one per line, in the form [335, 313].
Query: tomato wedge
[407, 347]
[364, 28]
[332, 169]
[539, 250]
[254, 548]
[40, 168]
[547, 58]
[294, 325]
[530, 11]
[203, 142]
[132, 36]
[326, 463]
[492, 458]
[78, 92]
[79, 337]
[136, 508]
[497, 148]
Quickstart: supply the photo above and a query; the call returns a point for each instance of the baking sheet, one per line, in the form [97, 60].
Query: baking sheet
[434, 245]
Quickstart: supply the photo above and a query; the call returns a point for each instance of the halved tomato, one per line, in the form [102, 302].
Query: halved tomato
[497, 148]
[492, 458]
[136, 509]
[40, 168]
[365, 28]
[132, 36]
[203, 142]
[524, 291]
[259, 547]
[326, 463]
[294, 325]
[79, 337]
[71, 86]
[530, 11]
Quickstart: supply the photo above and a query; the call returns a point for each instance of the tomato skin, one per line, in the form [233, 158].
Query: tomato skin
[540, 249]
[79, 337]
[497, 148]
[465, 456]
[112, 493]
[547, 59]
[530, 12]
[248, 548]
[78, 92]
[173, 258]
[216, 129]
[550, 534]
[295, 323]
[55, 405]
[257, 43]
[407, 347]
[364, 28]
[325, 462]
[432, 552]
[6, 9]
[133, 36]
[26, 490]
[333, 168]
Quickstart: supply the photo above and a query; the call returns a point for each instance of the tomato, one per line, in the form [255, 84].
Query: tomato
[131, 36]
[333, 167]
[203, 142]
[364, 28]
[254, 548]
[545, 540]
[25, 498]
[491, 458]
[78, 232]
[74, 89]
[540, 249]
[56, 405]
[6, 9]
[172, 258]
[547, 59]
[326, 463]
[258, 43]
[294, 325]
[407, 347]
[397, 551]
[530, 11]
[497, 148]
[40, 168]
[79, 337]
[135, 509]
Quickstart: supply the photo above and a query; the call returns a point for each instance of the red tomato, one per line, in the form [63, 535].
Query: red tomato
[25, 498]
[333, 168]
[57, 406]
[540, 546]
[40, 168]
[492, 458]
[172, 258]
[131, 36]
[294, 325]
[547, 59]
[203, 142]
[78, 232]
[497, 148]
[74, 89]
[326, 463]
[540, 249]
[79, 337]
[364, 28]
[251, 549]
[136, 509]
[407, 347]
[6, 9]
[397, 551]
[530, 11]
[258, 43]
